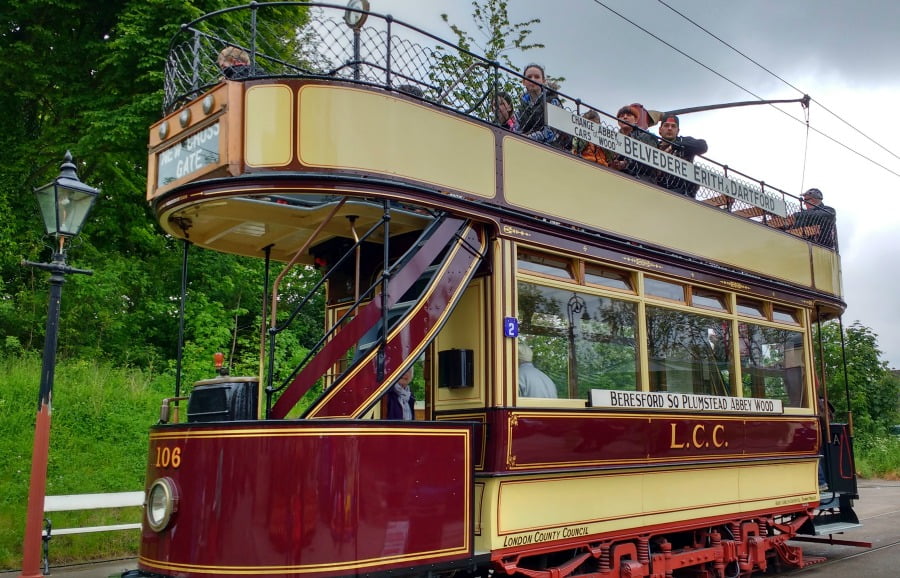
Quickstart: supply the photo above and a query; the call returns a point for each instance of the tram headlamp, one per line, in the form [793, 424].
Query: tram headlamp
[162, 503]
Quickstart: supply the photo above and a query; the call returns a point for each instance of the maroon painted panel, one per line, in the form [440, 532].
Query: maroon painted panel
[542, 439]
[330, 498]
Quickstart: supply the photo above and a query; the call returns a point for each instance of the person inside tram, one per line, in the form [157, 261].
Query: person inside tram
[683, 147]
[588, 150]
[826, 416]
[401, 403]
[628, 118]
[532, 381]
[504, 113]
[819, 217]
[532, 122]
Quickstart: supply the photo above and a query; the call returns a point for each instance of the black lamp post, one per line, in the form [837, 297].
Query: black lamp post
[65, 204]
[576, 308]
[355, 16]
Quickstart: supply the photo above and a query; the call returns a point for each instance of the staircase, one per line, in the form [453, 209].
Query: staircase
[437, 269]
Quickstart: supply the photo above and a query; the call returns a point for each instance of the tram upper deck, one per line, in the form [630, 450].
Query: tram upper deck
[375, 114]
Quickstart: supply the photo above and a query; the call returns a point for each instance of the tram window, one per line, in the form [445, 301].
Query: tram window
[785, 315]
[664, 289]
[580, 341]
[750, 307]
[708, 299]
[688, 353]
[612, 278]
[545, 264]
[772, 364]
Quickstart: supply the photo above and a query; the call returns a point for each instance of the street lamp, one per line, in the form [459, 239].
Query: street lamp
[355, 16]
[65, 203]
[576, 308]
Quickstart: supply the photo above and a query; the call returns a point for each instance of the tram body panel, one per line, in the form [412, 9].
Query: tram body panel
[301, 498]
[530, 510]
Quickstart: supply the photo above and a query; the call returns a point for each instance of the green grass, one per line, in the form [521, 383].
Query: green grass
[878, 457]
[98, 443]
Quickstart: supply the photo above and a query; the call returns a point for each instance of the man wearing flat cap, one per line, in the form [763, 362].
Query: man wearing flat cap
[819, 217]
[683, 147]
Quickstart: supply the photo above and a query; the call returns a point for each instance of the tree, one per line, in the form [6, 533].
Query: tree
[873, 389]
[498, 37]
[88, 77]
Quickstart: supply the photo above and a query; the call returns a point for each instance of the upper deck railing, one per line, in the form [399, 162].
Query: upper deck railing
[316, 40]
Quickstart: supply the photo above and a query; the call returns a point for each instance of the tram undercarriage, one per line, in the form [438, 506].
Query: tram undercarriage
[731, 549]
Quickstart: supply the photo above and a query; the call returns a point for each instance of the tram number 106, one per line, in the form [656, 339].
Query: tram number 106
[168, 457]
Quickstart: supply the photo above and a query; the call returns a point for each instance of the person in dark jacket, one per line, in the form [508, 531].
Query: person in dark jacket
[532, 121]
[683, 147]
[815, 213]
[401, 403]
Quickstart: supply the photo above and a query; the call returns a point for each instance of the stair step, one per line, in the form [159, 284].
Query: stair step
[834, 528]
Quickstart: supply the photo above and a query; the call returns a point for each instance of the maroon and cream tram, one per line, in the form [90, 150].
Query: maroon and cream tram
[683, 436]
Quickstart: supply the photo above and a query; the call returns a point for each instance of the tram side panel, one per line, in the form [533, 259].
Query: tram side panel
[289, 498]
[556, 477]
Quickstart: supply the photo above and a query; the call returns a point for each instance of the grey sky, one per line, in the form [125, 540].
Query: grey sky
[842, 53]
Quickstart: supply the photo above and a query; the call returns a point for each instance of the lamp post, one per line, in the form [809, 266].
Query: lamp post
[355, 16]
[65, 203]
[576, 308]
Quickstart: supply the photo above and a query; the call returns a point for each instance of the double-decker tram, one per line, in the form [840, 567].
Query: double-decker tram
[619, 380]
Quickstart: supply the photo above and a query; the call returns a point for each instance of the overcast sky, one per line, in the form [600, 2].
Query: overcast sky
[843, 53]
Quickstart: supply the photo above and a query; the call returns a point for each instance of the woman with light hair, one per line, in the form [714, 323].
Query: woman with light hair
[234, 63]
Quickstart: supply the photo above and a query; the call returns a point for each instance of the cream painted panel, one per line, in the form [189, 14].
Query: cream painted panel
[827, 270]
[465, 330]
[529, 511]
[268, 120]
[348, 128]
[601, 198]
[529, 504]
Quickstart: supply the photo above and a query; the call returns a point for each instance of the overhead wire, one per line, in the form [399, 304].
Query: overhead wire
[748, 91]
[825, 108]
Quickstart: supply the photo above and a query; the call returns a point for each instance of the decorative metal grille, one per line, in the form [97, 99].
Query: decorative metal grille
[312, 40]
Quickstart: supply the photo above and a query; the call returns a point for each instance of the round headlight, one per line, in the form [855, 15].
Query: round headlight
[162, 502]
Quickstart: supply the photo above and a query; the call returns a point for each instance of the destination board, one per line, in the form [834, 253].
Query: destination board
[673, 401]
[607, 137]
[188, 156]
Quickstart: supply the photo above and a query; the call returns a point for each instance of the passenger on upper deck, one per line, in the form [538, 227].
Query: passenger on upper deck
[684, 147]
[235, 63]
[814, 214]
[628, 118]
[532, 381]
[401, 402]
[505, 113]
[531, 110]
[588, 150]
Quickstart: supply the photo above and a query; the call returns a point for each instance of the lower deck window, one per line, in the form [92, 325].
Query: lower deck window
[580, 341]
[688, 353]
[772, 364]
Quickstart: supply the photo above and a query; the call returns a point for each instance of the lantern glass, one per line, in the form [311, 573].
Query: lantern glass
[65, 203]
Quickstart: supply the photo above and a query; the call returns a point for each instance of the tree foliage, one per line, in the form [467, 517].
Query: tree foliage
[495, 38]
[88, 77]
[873, 390]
